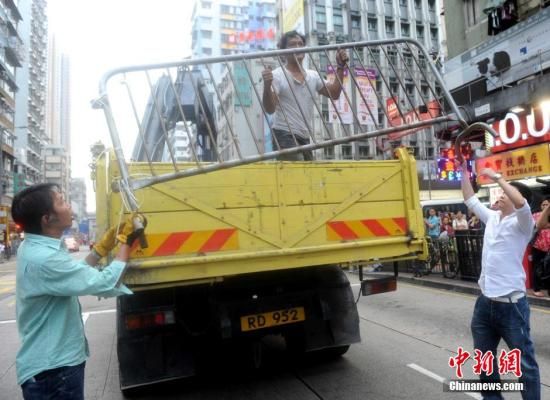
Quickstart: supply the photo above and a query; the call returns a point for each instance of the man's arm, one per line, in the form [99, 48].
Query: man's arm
[333, 89]
[542, 222]
[269, 97]
[523, 211]
[470, 199]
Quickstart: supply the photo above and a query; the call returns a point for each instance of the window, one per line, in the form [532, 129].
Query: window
[356, 22]
[224, 9]
[473, 12]
[390, 27]
[373, 24]
[410, 90]
[346, 152]
[364, 152]
[337, 19]
[431, 5]
[405, 30]
[206, 5]
[403, 3]
[329, 153]
[418, 4]
[206, 34]
[394, 89]
[419, 31]
[207, 51]
[433, 34]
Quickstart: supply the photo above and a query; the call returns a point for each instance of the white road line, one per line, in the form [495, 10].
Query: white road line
[8, 321]
[438, 378]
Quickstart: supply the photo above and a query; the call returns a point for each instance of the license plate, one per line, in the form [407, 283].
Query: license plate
[272, 318]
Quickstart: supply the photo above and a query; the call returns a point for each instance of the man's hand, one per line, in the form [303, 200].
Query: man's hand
[341, 58]
[108, 240]
[267, 76]
[134, 226]
[489, 173]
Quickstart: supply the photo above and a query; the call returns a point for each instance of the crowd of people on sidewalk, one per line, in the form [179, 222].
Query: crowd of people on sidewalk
[442, 224]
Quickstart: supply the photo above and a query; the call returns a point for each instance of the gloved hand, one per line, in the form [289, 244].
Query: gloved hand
[134, 225]
[108, 241]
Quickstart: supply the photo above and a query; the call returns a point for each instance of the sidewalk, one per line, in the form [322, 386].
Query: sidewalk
[440, 282]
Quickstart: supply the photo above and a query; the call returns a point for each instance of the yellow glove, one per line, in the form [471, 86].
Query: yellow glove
[108, 241]
[134, 226]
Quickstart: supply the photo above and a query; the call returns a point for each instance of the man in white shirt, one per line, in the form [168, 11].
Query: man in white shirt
[288, 93]
[502, 310]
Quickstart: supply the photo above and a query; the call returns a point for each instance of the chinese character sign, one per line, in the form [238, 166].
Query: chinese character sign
[367, 104]
[508, 362]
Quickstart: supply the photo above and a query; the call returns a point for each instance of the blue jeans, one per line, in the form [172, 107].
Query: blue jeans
[493, 321]
[64, 383]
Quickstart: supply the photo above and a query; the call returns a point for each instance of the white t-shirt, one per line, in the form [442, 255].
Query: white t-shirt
[460, 224]
[504, 244]
[298, 117]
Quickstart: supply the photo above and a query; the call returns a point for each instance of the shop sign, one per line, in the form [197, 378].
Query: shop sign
[522, 163]
[520, 130]
[411, 117]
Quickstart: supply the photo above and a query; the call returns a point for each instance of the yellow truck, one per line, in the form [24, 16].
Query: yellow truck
[244, 247]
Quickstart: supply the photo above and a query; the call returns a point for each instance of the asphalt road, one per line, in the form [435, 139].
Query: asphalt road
[408, 338]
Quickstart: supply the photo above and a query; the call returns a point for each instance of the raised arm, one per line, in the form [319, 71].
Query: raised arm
[334, 88]
[269, 97]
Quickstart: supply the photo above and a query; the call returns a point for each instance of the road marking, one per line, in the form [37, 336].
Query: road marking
[8, 321]
[7, 289]
[438, 378]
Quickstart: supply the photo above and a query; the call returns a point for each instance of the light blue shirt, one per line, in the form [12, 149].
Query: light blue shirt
[48, 283]
[436, 229]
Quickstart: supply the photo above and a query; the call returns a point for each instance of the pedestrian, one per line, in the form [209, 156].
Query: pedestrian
[460, 223]
[446, 229]
[502, 310]
[474, 223]
[540, 249]
[285, 93]
[433, 224]
[50, 362]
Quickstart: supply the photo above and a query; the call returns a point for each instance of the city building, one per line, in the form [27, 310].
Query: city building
[56, 169]
[30, 99]
[231, 27]
[77, 197]
[57, 158]
[11, 57]
[497, 71]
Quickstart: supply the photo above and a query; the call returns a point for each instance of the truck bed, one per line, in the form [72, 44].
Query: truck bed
[269, 216]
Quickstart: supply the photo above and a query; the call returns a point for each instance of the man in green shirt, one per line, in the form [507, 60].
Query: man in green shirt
[50, 362]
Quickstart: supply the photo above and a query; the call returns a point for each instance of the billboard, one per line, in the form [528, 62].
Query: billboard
[513, 54]
[293, 15]
[366, 81]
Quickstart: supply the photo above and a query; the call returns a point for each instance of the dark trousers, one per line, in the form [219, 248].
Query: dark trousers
[493, 321]
[538, 258]
[64, 383]
[285, 140]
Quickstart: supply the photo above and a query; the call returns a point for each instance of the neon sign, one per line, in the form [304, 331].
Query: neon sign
[447, 168]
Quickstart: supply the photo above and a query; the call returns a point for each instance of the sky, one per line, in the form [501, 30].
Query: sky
[103, 34]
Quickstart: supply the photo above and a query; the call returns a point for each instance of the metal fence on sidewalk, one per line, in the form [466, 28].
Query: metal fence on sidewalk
[469, 245]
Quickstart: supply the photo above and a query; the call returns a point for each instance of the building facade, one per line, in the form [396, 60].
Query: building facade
[57, 157]
[77, 194]
[30, 99]
[11, 57]
[497, 71]
[231, 27]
